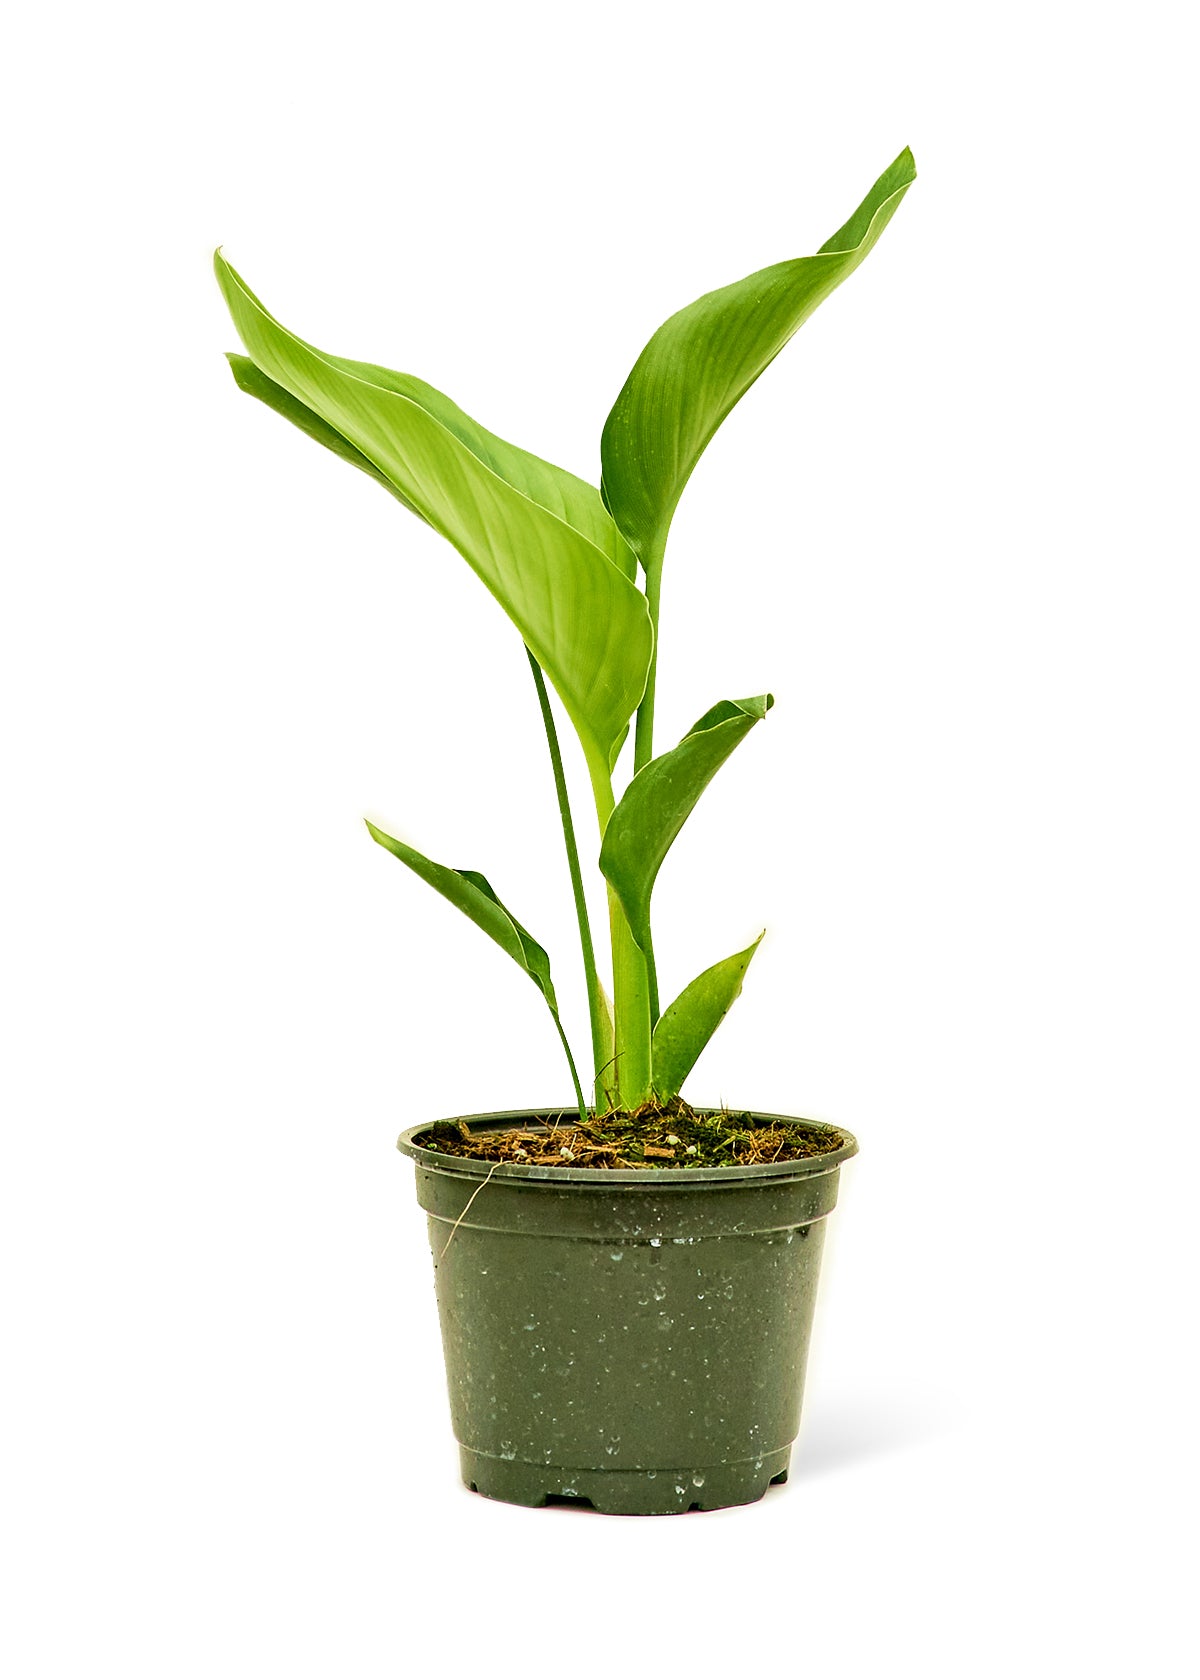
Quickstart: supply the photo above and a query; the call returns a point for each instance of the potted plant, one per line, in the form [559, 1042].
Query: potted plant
[625, 1287]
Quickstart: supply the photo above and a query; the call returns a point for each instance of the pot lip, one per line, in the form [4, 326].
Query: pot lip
[656, 1178]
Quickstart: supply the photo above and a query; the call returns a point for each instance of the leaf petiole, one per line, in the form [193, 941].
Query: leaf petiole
[601, 1047]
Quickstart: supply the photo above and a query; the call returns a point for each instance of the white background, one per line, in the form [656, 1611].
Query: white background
[950, 529]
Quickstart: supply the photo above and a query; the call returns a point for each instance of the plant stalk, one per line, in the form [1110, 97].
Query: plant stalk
[601, 1049]
[631, 982]
[652, 987]
[643, 740]
[582, 1106]
[631, 1011]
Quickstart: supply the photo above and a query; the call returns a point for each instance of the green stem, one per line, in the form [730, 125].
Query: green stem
[643, 740]
[631, 1011]
[601, 1049]
[583, 1115]
[631, 983]
[652, 986]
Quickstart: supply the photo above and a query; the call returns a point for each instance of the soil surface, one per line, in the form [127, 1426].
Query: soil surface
[654, 1136]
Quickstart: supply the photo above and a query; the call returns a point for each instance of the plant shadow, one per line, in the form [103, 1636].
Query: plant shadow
[837, 1437]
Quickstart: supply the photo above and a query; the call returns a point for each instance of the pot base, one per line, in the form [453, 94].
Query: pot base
[625, 1493]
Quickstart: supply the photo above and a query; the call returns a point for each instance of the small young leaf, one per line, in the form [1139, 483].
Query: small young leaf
[704, 359]
[659, 800]
[472, 894]
[689, 1023]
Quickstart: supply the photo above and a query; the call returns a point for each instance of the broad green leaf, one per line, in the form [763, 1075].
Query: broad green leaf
[659, 800]
[473, 895]
[705, 358]
[689, 1023]
[255, 383]
[560, 492]
[508, 514]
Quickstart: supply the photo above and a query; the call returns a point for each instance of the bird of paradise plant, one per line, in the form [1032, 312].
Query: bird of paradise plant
[578, 571]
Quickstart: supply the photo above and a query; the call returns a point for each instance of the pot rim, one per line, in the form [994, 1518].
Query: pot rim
[656, 1178]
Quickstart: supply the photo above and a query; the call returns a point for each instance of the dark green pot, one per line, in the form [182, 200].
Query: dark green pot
[631, 1339]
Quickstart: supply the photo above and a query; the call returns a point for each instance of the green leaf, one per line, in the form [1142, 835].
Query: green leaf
[705, 358]
[255, 383]
[659, 800]
[571, 499]
[473, 895]
[689, 1023]
[539, 538]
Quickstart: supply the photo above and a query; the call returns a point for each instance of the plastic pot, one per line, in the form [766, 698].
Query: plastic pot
[631, 1339]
